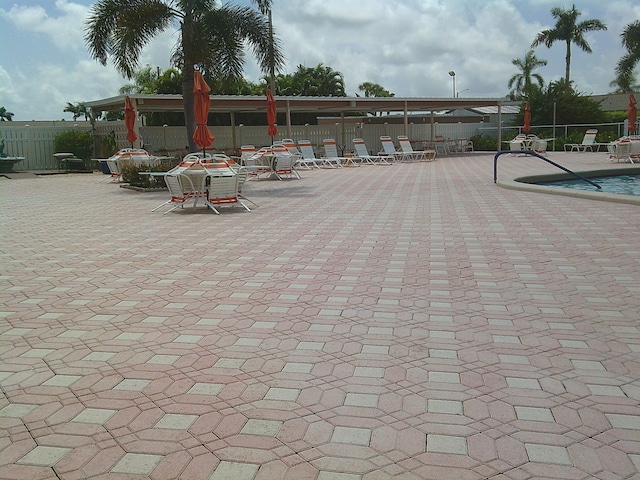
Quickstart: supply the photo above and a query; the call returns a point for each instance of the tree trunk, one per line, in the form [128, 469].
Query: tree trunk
[189, 108]
[568, 65]
[187, 79]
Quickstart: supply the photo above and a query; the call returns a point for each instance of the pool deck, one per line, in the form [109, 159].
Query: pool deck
[413, 321]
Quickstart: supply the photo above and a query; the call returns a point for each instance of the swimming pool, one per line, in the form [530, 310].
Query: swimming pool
[618, 184]
[543, 184]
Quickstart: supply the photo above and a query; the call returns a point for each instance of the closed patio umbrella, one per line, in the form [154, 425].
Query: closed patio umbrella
[130, 120]
[271, 115]
[526, 128]
[632, 115]
[202, 136]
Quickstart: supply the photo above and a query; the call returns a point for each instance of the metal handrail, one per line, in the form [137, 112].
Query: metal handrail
[535, 154]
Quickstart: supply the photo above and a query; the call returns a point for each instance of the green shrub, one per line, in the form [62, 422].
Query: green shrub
[131, 174]
[484, 142]
[72, 141]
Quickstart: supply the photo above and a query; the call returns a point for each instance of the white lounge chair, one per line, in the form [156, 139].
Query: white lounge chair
[331, 158]
[588, 142]
[389, 149]
[290, 145]
[362, 153]
[421, 155]
[308, 159]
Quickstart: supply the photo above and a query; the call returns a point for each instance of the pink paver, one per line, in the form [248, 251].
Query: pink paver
[414, 321]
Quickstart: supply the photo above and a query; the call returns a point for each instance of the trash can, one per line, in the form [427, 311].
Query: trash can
[104, 168]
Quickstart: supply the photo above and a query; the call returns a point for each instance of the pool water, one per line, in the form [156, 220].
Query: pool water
[618, 184]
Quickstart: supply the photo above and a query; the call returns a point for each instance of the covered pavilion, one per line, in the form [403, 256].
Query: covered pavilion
[234, 104]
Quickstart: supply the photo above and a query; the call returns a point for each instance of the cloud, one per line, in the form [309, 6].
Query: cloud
[64, 30]
[407, 46]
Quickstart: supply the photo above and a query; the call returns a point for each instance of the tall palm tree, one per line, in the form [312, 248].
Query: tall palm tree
[624, 69]
[523, 81]
[212, 38]
[568, 31]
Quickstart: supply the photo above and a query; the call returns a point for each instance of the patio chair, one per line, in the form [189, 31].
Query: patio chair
[181, 189]
[363, 154]
[588, 142]
[331, 158]
[308, 159]
[114, 168]
[539, 145]
[243, 175]
[290, 145]
[518, 143]
[389, 149]
[223, 191]
[444, 146]
[258, 163]
[421, 155]
[284, 163]
[246, 151]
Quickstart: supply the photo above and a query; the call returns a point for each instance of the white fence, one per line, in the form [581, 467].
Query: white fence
[34, 140]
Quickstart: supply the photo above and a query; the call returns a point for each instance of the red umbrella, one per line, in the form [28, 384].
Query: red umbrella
[527, 118]
[130, 120]
[632, 114]
[271, 115]
[202, 136]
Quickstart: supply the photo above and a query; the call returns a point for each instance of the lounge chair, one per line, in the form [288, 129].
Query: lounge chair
[588, 142]
[331, 158]
[291, 147]
[308, 159]
[421, 155]
[363, 154]
[389, 149]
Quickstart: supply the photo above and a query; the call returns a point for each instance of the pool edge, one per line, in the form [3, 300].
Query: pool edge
[522, 183]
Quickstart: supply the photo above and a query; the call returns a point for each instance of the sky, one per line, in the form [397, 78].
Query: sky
[406, 46]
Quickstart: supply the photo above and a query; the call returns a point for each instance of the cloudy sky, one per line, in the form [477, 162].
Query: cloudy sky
[407, 46]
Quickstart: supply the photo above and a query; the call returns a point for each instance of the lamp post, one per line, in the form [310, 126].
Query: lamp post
[164, 130]
[461, 91]
[453, 78]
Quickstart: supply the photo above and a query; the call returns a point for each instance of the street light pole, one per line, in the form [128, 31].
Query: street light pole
[453, 78]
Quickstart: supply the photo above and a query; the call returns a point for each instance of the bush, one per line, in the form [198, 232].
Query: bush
[484, 142]
[72, 141]
[131, 174]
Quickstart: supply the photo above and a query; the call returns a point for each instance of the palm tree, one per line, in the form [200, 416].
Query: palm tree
[567, 30]
[371, 89]
[319, 81]
[523, 81]
[78, 110]
[624, 69]
[5, 116]
[212, 38]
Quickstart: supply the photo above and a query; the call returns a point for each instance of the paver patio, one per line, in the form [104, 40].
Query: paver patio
[412, 321]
